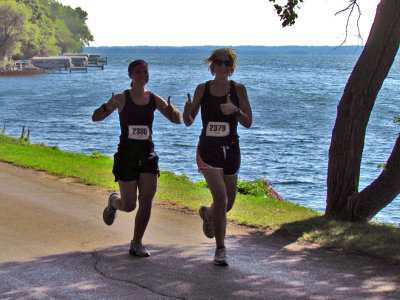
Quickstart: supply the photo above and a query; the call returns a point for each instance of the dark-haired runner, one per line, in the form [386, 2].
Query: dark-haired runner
[135, 163]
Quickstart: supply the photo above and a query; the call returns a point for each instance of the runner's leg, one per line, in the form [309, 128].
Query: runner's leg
[127, 201]
[217, 211]
[231, 188]
[147, 189]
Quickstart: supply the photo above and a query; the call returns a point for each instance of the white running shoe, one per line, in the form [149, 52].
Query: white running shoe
[137, 249]
[110, 212]
[207, 223]
[220, 258]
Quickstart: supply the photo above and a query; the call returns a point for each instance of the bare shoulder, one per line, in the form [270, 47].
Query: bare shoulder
[199, 91]
[200, 88]
[158, 97]
[240, 86]
[120, 96]
[160, 101]
[241, 90]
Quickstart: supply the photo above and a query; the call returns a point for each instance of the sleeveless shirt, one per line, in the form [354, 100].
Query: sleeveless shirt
[136, 122]
[215, 123]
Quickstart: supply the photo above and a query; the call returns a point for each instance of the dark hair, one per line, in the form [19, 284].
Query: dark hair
[134, 63]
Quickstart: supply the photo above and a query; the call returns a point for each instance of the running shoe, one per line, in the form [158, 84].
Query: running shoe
[207, 224]
[220, 258]
[110, 212]
[137, 249]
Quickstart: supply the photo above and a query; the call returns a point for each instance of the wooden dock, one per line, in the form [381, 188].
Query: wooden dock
[78, 69]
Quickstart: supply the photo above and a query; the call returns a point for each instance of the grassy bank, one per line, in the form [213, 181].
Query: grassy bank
[267, 213]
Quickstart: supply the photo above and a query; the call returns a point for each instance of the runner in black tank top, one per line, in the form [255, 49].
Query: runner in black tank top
[135, 163]
[136, 149]
[219, 142]
[136, 121]
[223, 104]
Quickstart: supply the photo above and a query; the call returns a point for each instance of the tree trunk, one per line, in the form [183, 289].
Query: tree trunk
[365, 205]
[355, 108]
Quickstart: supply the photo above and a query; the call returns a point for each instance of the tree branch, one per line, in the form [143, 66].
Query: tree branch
[352, 5]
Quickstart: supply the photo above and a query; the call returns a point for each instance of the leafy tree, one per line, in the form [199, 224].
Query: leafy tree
[65, 38]
[29, 45]
[344, 202]
[53, 28]
[46, 39]
[40, 38]
[81, 14]
[74, 19]
[12, 26]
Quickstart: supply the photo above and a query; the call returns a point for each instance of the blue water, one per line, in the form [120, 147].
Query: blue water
[293, 97]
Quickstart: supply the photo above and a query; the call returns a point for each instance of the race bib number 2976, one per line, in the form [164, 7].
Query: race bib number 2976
[217, 129]
[138, 132]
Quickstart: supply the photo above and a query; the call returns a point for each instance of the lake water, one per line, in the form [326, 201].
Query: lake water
[293, 97]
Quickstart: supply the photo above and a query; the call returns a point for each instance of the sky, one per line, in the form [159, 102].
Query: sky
[221, 22]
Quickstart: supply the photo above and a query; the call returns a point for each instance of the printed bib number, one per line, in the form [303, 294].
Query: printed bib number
[217, 129]
[138, 132]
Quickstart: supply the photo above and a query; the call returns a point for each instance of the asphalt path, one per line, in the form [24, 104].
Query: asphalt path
[54, 245]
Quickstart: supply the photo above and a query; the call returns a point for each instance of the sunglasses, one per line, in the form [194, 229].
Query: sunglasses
[219, 62]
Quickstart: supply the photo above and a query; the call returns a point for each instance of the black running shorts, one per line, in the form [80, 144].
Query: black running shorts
[128, 164]
[219, 156]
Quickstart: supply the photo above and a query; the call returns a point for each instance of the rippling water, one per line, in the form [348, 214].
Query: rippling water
[293, 98]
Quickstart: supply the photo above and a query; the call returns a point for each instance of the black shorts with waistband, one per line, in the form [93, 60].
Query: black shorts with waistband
[131, 161]
[225, 155]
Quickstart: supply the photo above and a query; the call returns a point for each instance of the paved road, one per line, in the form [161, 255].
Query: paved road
[54, 245]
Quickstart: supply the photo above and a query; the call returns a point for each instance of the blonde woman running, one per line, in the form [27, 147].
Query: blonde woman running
[224, 104]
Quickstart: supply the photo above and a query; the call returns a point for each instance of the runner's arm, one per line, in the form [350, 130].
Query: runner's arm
[192, 106]
[108, 108]
[243, 114]
[168, 110]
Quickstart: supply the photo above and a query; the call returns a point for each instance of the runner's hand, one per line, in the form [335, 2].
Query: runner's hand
[112, 103]
[170, 107]
[228, 107]
[187, 118]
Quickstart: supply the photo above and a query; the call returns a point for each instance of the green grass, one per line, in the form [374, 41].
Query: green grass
[372, 239]
[270, 214]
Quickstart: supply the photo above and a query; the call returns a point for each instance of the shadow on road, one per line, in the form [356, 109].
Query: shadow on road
[261, 267]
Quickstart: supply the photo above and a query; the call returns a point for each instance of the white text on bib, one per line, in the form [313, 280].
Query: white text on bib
[217, 129]
[138, 132]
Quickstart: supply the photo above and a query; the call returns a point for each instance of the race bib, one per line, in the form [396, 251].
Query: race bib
[138, 132]
[217, 129]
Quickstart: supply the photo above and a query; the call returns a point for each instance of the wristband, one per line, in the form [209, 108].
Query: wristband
[238, 113]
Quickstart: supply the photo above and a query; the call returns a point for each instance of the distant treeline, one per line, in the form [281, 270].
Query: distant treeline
[45, 27]
[266, 50]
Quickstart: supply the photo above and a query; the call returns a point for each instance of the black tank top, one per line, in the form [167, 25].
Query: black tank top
[136, 122]
[218, 127]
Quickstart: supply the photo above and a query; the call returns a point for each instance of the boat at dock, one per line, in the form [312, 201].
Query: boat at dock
[69, 62]
[52, 62]
[94, 60]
